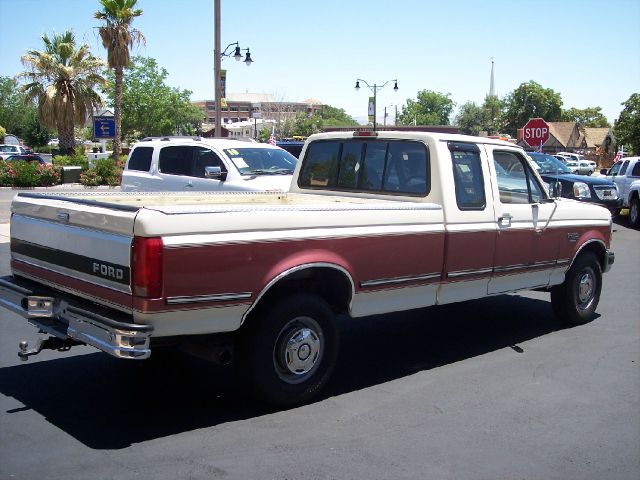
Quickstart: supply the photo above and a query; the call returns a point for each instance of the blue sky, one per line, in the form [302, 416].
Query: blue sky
[587, 50]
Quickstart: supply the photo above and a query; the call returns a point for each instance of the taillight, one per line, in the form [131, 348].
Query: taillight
[146, 264]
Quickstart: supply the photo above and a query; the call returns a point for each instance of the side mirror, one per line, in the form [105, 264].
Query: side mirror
[215, 173]
[556, 189]
[604, 171]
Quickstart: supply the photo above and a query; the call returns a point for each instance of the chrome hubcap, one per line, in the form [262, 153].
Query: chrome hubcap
[298, 350]
[586, 289]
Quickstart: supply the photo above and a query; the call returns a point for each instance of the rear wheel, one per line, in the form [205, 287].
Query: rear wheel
[634, 213]
[575, 301]
[291, 349]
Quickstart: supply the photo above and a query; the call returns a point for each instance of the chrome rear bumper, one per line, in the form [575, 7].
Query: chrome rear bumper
[66, 318]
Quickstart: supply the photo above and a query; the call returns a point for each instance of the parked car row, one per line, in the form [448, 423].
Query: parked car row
[564, 182]
[577, 163]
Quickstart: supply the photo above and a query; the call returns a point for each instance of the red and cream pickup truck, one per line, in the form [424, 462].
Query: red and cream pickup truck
[373, 223]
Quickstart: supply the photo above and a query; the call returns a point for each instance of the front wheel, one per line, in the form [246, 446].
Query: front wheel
[634, 213]
[575, 300]
[291, 349]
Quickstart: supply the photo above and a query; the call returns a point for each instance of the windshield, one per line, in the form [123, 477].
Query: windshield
[549, 164]
[262, 161]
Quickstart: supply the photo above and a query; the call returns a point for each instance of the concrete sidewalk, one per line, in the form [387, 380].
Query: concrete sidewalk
[4, 233]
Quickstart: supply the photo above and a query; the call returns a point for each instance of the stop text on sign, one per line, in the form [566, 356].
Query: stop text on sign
[535, 132]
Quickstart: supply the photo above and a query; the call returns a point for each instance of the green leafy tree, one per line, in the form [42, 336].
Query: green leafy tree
[150, 107]
[3, 133]
[430, 108]
[118, 36]
[470, 119]
[531, 100]
[62, 79]
[33, 132]
[586, 117]
[19, 116]
[336, 117]
[473, 119]
[627, 127]
[492, 109]
[306, 125]
[13, 111]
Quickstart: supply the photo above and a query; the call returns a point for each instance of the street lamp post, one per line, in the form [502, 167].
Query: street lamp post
[375, 89]
[218, 56]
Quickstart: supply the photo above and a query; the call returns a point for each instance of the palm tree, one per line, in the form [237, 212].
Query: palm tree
[117, 37]
[62, 80]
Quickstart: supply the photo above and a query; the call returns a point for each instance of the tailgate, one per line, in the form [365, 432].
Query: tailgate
[73, 244]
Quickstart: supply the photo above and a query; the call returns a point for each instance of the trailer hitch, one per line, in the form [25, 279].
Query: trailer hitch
[51, 343]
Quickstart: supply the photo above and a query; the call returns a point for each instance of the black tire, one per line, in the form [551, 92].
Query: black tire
[634, 212]
[290, 349]
[575, 301]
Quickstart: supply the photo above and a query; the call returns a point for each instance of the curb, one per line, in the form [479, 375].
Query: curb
[63, 186]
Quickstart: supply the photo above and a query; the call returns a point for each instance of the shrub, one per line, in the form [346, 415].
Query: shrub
[28, 174]
[49, 175]
[6, 174]
[75, 160]
[104, 172]
[90, 178]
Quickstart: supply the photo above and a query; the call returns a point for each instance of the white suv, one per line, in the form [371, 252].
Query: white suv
[206, 164]
[8, 150]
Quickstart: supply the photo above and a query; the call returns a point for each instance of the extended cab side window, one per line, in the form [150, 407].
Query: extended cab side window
[140, 159]
[623, 169]
[636, 170]
[468, 178]
[516, 183]
[176, 160]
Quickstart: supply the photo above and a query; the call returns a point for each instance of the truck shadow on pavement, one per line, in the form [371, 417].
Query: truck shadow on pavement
[111, 404]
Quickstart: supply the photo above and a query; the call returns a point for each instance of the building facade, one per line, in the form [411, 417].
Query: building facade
[244, 107]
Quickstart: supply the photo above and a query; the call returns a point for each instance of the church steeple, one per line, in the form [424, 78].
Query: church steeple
[492, 85]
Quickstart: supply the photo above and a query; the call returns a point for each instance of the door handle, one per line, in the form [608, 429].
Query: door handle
[505, 220]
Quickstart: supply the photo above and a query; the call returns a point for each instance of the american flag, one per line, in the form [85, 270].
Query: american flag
[618, 156]
[272, 137]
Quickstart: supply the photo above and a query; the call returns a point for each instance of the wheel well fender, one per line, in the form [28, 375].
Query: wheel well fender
[595, 246]
[332, 282]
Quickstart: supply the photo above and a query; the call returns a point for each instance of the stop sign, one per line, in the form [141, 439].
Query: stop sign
[536, 132]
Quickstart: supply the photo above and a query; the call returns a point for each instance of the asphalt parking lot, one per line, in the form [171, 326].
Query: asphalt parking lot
[489, 389]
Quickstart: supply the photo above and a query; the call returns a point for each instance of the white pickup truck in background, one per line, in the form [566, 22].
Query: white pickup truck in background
[206, 164]
[626, 175]
[373, 223]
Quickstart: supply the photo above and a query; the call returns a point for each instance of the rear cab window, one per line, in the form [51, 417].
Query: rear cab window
[375, 166]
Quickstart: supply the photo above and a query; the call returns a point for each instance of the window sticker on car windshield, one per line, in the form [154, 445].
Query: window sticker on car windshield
[239, 161]
[233, 151]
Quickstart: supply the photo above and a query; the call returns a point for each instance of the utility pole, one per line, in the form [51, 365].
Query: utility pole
[216, 66]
